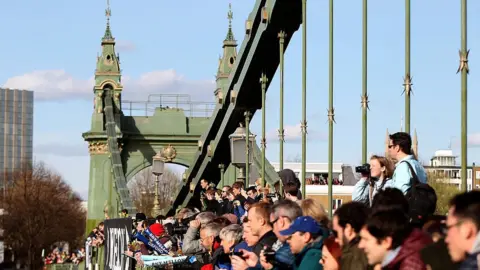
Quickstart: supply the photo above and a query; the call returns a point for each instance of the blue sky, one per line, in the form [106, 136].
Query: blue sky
[173, 46]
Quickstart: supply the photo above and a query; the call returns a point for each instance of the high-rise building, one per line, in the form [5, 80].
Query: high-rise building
[16, 131]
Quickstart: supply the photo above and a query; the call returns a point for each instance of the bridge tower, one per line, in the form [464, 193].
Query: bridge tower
[102, 197]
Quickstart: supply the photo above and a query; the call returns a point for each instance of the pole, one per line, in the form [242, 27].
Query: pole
[156, 206]
[464, 69]
[331, 110]
[304, 96]
[364, 83]
[281, 131]
[263, 81]
[222, 172]
[408, 78]
[247, 148]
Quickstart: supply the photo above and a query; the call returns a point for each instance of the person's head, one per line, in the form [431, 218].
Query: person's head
[463, 224]
[381, 167]
[313, 208]
[208, 233]
[389, 198]
[204, 183]
[259, 218]
[248, 236]
[303, 231]
[184, 213]
[435, 227]
[225, 191]
[101, 226]
[124, 213]
[331, 252]
[291, 191]
[383, 231]
[230, 236]
[237, 188]
[205, 218]
[284, 212]
[252, 192]
[400, 145]
[348, 220]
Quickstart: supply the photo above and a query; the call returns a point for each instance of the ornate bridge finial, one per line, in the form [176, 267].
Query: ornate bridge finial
[463, 61]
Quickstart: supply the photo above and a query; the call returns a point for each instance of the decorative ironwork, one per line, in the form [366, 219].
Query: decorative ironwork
[281, 135]
[463, 61]
[303, 127]
[407, 85]
[169, 153]
[364, 101]
[331, 115]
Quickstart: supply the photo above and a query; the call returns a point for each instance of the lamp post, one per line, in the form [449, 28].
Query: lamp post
[238, 148]
[157, 169]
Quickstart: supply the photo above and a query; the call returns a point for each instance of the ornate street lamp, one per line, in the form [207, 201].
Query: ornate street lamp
[158, 165]
[239, 150]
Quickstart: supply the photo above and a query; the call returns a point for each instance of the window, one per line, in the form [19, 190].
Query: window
[469, 187]
[469, 174]
[336, 203]
[477, 174]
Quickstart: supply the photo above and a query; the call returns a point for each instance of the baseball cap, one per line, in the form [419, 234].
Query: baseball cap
[303, 224]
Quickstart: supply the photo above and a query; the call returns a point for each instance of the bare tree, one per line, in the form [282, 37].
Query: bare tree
[142, 189]
[444, 190]
[40, 210]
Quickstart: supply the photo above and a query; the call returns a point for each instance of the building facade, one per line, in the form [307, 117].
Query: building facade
[16, 131]
[443, 164]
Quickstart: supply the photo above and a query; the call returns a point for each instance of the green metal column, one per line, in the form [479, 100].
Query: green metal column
[331, 112]
[222, 174]
[364, 84]
[304, 96]
[465, 70]
[263, 81]
[281, 131]
[408, 79]
[247, 148]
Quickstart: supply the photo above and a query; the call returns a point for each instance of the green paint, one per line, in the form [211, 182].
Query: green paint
[364, 83]
[247, 148]
[331, 111]
[222, 174]
[304, 96]
[407, 66]
[263, 81]
[281, 131]
[464, 70]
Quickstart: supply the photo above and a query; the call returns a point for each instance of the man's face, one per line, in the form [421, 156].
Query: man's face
[374, 249]
[252, 194]
[392, 149]
[298, 241]
[458, 233]
[203, 184]
[338, 231]
[249, 238]
[255, 221]
[206, 240]
[236, 191]
[279, 224]
[224, 193]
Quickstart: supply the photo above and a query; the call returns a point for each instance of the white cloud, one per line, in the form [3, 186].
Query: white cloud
[474, 140]
[59, 84]
[293, 133]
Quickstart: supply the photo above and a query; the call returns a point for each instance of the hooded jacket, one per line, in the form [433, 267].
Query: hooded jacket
[289, 176]
[408, 258]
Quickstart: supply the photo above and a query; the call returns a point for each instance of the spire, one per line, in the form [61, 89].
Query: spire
[415, 143]
[228, 59]
[230, 36]
[108, 33]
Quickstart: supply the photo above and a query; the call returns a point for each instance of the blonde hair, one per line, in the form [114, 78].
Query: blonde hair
[314, 209]
[387, 163]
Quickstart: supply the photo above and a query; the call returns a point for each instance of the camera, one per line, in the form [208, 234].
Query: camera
[363, 169]
[236, 253]
[179, 229]
[269, 254]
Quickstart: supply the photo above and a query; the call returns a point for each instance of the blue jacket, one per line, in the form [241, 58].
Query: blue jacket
[401, 175]
[361, 190]
[283, 257]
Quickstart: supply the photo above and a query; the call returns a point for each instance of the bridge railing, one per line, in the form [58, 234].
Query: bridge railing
[166, 101]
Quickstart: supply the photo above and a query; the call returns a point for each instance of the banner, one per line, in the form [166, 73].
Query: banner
[117, 237]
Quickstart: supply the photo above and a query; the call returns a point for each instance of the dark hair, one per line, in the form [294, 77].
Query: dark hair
[291, 188]
[390, 198]
[353, 213]
[125, 211]
[254, 189]
[403, 140]
[467, 206]
[392, 223]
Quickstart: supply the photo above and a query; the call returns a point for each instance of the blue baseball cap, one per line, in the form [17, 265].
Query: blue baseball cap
[303, 224]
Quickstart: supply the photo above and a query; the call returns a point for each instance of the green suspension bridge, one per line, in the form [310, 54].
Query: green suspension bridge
[121, 145]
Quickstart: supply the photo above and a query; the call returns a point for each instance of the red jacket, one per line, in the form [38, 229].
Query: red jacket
[210, 265]
[408, 257]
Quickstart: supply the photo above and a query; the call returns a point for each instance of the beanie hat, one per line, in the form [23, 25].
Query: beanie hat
[157, 229]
